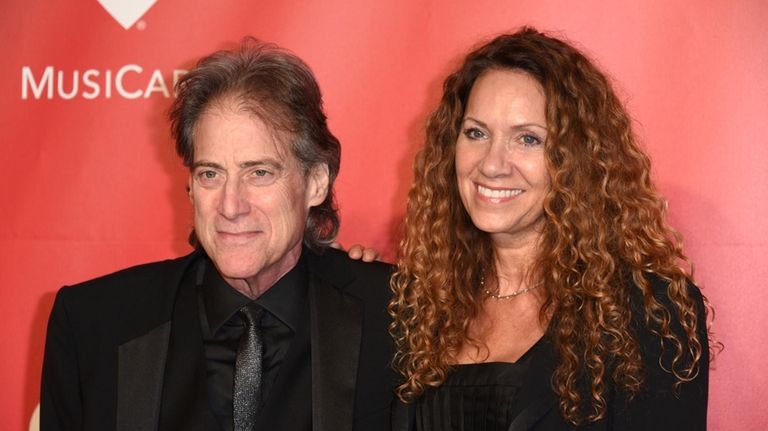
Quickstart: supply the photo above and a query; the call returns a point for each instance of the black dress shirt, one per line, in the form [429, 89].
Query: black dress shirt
[222, 327]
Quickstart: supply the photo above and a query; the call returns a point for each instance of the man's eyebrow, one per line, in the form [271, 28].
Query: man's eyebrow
[206, 164]
[273, 163]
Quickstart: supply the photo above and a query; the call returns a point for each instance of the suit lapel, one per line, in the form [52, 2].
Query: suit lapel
[141, 363]
[142, 360]
[336, 331]
[184, 404]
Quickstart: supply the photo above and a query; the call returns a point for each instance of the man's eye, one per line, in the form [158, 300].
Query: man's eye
[474, 133]
[209, 178]
[261, 177]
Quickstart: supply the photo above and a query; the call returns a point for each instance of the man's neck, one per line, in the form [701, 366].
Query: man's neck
[255, 286]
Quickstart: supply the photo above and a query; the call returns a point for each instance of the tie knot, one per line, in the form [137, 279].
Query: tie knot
[251, 314]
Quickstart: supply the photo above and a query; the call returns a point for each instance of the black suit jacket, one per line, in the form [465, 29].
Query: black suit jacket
[109, 341]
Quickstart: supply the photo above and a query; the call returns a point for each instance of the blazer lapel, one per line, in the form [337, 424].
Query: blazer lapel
[537, 384]
[142, 360]
[141, 363]
[402, 415]
[539, 406]
[336, 331]
[184, 403]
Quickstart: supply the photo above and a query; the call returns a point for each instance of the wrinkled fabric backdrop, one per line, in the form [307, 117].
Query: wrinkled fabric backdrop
[91, 183]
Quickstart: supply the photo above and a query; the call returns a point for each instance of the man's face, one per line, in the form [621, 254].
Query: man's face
[250, 197]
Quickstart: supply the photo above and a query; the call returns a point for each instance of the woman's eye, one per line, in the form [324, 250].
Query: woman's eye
[474, 133]
[530, 140]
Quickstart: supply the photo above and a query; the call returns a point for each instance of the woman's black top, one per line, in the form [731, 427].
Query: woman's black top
[519, 396]
[477, 397]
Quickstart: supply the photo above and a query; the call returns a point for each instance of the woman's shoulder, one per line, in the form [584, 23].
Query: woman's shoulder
[665, 295]
[664, 329]
[675, 366]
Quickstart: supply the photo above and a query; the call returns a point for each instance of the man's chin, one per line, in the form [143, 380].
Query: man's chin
[237, 265]
[239, 272]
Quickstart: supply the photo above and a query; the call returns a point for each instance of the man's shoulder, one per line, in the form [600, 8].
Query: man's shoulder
[332, 261]
[132, 281]
[353, 276]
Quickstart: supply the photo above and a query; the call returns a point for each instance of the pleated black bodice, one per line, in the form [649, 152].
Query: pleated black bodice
[477, 397]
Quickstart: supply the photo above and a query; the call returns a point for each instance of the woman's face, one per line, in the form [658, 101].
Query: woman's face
[500, 165]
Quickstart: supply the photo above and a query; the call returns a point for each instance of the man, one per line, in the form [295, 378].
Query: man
[262, 327]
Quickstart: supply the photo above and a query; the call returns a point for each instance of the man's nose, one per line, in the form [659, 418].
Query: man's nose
[233, 202]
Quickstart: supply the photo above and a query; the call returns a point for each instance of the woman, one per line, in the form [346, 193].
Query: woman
[539, 285]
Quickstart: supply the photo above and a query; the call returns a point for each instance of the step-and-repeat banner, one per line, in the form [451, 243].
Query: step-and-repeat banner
[90, 182]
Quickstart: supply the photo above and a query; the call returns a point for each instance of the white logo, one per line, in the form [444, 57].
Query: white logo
[127, 12]
[130, 81]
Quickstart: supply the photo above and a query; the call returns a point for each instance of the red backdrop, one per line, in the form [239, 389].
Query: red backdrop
[92, 184]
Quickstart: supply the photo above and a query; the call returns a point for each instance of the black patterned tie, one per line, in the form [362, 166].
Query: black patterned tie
[248, 373]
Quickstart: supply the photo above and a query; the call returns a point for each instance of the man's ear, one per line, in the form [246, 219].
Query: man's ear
[189, 188]
[317, 184]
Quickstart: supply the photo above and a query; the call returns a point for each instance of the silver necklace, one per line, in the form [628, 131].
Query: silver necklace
[514, 294]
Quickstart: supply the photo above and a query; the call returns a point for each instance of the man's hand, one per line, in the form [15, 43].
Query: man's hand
[358, 252]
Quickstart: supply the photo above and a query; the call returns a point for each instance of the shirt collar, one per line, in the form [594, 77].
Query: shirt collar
[284, 299]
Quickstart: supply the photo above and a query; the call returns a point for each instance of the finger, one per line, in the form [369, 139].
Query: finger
[356, 252]
[370, 254]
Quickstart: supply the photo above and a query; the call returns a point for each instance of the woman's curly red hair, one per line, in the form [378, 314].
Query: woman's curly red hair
[605, 232]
